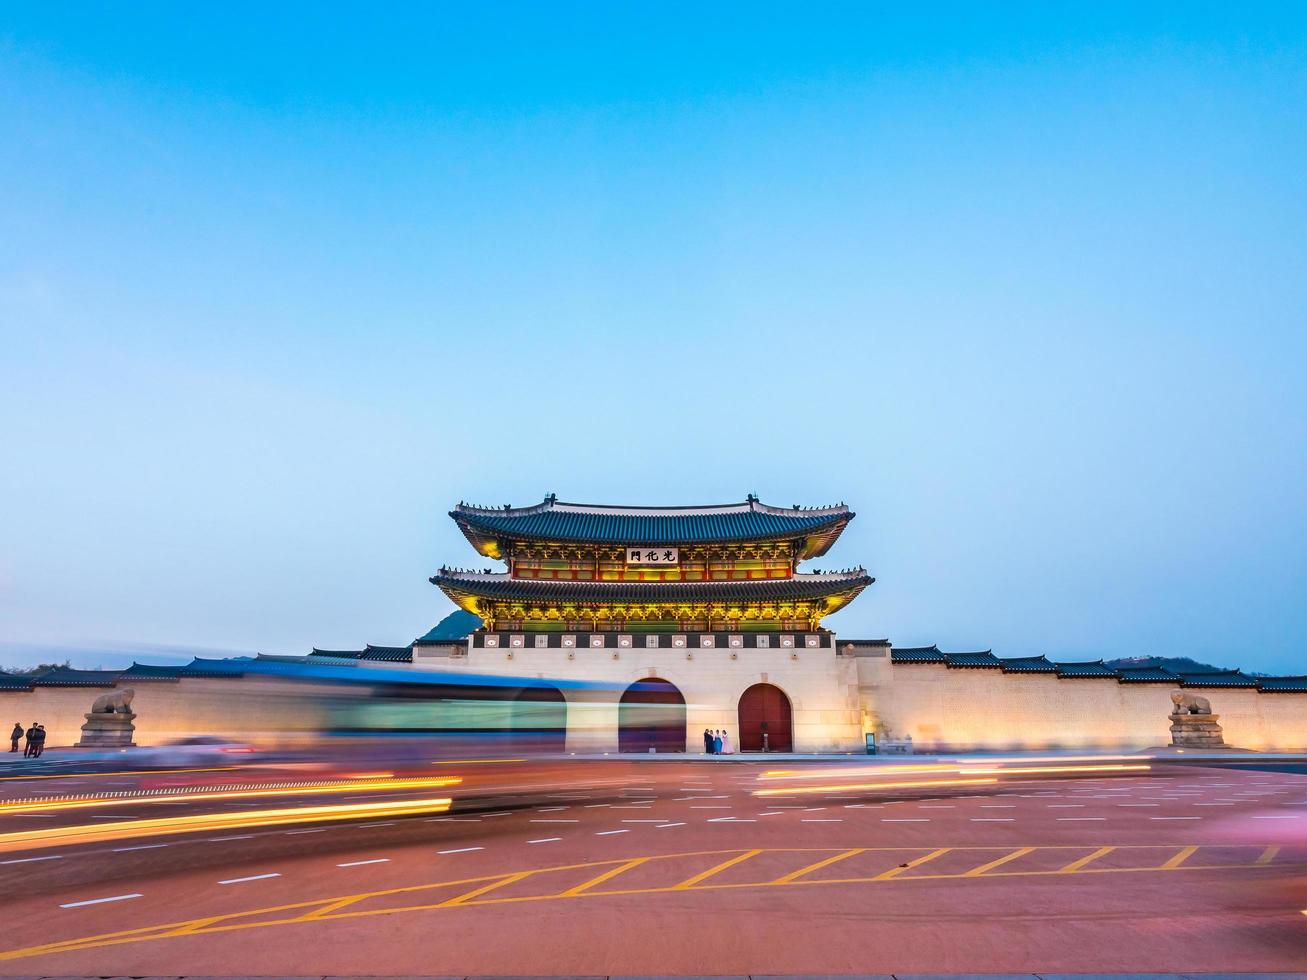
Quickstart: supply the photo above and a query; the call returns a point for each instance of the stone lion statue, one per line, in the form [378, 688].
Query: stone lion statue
[1190, 704]
[114, 701]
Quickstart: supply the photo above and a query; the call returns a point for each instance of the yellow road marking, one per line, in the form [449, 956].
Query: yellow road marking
[1079, 863]
[705, 875]
[795, 875]
[977, 872]
[917, 862]
[475, 892]
[1267, 855]
[1179, 857]
[600, 878]
[319, 910]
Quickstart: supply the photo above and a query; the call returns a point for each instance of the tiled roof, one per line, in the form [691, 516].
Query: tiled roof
[1092, 668]
[336, 654]
[150, 672]
[1218, 678]
[558, 521]
[15, 682]
[983, 658]
[917, 655]
[1028, 665]
[502, 586]
[388, 654]
[1283, 685]
[70, 677]
[1146, 675]
[207, 667]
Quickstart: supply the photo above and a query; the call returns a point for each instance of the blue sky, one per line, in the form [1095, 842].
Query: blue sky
[1023, 284]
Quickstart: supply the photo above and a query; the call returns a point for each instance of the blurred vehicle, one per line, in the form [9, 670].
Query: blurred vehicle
[196, 750]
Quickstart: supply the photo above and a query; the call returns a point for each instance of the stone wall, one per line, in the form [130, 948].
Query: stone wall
[958, 709]
[259, 709]
[822, 688]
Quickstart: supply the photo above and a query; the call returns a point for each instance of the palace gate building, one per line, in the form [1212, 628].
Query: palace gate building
[702, 615]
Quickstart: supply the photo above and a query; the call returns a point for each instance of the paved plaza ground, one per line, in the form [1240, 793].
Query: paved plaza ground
[630, 868]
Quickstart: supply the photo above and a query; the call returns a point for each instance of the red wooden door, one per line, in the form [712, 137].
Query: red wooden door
[764, 708]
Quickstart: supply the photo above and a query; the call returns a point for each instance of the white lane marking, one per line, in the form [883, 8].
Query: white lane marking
[730, 820]
[1137, 804]
[48, 857]
[632, 808]
[1175, 818]
[606, 833]
[140, 847]
[355, 864]
[1070, 819]
[460, 850]
[217, 840]
[644, 821]
[1213, 804]
[822, 820]
[549, 809]
[773, 813]
[664, 826]
[1275, 816]
[454, 820]
[813, 809]
[97, 901]
[937, 806]
[384, 823]
[898, 820]
[552, 821]
[595, 806]
[1002, 806]
[292, 833]
[713, 806]
[544, 840]
[1065, 806]
[992, 819]
[237, 881]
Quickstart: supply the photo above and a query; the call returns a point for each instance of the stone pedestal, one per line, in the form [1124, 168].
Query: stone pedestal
[108, 730]
[1196, 732]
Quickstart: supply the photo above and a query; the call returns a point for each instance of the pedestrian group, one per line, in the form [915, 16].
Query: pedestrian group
[717, 742]
[33, 740]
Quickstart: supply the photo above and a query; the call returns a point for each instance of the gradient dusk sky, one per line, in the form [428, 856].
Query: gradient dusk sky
[1025, 285]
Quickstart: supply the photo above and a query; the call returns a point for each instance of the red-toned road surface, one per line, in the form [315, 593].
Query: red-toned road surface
[657, 867]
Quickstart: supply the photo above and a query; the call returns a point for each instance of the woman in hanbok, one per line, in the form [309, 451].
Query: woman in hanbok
[728, 747]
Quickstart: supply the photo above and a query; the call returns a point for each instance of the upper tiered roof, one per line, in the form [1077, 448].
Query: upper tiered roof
[560, 522]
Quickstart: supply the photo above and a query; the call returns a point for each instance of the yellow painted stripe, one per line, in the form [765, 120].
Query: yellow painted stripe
[468, 896]
[1267, 856]
[716, 868]
[1179, 857]
[1019, 852]
[1079, 863]
[915, 863]
[599, 879]
[794, 875]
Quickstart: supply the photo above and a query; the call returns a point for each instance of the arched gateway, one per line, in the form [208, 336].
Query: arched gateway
[539, 720]
[764, 709]
[651, 715]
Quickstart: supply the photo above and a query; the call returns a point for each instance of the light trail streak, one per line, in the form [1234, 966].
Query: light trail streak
[241, 820]
[1039, 769]
[912, 784]
[110, 774]
[191, 795]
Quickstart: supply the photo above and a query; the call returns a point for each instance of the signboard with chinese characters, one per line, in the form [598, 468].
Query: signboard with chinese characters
[651, 556]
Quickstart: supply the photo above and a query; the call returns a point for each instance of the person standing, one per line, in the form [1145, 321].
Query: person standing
[707, 740]
[15, 736]
[717, 743]
[29, 740]
[727, 747]
[40, 742]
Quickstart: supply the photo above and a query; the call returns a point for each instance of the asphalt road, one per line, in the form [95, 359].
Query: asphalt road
[630, 867]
